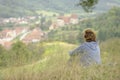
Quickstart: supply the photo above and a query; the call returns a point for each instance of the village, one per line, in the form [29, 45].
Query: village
[36, 34]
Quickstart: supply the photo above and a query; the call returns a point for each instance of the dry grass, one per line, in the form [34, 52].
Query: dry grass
[63, 72]
[56, 66]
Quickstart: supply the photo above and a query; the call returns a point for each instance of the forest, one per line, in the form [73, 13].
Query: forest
[20, 8]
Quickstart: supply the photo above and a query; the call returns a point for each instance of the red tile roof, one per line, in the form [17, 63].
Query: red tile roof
[74, 16]
[7, 44]
[19, 30]
[65, 19]
[35, 34]
[4, 33]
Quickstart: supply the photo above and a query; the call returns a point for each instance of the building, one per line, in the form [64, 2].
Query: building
[53, 26]
[74, 19]
[7, 35]
[65, 20]
[34, 36]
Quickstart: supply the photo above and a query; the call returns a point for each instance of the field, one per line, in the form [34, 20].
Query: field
[54, 65]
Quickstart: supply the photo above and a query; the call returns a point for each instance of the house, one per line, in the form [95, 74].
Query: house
[6, 44]
[53, 26]
[7, 35]
[74, 19]
[20, 30]
[84, 20]
[23, 22]
[11, 34]
[1, 42]
[6, 20]
[65, 20]
[62, 20]
[34, 36]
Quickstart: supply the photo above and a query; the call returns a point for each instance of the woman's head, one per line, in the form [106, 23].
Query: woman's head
[89, 35]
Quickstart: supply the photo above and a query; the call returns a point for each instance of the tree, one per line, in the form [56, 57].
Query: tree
[2, 56]
[20, 53]
[88, 5]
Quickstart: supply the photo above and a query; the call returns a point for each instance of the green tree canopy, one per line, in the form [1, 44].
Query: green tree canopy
[88, 5]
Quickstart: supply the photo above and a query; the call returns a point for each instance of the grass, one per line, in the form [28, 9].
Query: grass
[54, 65]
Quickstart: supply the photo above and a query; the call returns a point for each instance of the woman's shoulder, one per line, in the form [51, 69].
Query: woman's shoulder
[82, 45]
[92, 42]
[88, 44]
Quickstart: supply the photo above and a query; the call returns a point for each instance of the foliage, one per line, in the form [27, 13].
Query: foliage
[29, 7]
[88, 5]
[18, 8]
[45, 24]
[20, 54]
[66, 34]
[2, 56]
[7, 25]
[108, 24]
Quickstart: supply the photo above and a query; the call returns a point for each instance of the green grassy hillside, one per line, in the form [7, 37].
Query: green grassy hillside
[54, 65]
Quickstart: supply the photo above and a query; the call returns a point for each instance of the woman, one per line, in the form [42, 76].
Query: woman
[89, 52]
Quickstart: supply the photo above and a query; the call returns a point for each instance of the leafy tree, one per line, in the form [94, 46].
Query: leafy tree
[46, 25]
[2, 56]
[88, 5]
[20, 53]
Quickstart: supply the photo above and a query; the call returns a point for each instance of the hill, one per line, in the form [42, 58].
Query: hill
[105, 5]
[54, 65]
[15, 8]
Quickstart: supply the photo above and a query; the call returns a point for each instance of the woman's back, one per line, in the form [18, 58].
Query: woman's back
[90, 53]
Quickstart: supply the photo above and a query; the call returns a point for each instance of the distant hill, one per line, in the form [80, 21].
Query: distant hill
[14, 8]
[104, 5]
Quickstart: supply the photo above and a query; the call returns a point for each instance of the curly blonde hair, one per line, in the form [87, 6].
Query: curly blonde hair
[89, 35]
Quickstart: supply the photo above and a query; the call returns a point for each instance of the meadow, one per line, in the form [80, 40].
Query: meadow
[53, 64]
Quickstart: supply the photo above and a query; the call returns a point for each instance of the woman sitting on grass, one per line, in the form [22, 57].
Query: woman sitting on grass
[89, 52]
